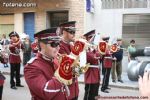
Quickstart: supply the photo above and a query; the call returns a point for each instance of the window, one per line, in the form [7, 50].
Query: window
[55, 18]
[136, 26]
[112, 4]
[118, 4]
[135, 3]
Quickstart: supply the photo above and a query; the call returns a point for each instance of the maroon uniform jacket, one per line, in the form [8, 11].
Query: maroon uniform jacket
[39, 75]
[93, 73]
[14, 56]
[74, 88]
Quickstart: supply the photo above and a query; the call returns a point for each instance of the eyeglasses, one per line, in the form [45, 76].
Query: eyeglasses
[54, 44]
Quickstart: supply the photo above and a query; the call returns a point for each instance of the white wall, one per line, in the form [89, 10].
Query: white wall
[18, 23]
[108, 21]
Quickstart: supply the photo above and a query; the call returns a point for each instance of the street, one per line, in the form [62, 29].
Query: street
[24, 94]
[107, 33]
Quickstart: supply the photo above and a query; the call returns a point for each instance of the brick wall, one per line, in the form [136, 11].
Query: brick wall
[75, 8]
[40, 21]
[6, 19]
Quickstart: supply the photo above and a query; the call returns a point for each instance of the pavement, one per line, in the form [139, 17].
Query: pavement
[126, 85]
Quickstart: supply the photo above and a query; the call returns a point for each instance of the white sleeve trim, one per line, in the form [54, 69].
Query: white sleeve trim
[49, 90]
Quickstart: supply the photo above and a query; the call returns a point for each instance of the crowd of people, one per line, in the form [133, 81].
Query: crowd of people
[49, 63]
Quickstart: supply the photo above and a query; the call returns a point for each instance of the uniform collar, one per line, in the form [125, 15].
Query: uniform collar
[45, 57]
[66, 42]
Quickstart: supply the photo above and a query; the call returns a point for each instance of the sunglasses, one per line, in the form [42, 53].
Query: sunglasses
[71, 32]
[54, 44]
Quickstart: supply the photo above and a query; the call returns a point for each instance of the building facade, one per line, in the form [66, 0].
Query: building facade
[128, 19]
[37, 15]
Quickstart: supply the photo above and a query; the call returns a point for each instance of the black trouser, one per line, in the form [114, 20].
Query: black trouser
[91, 90]
[102, 64]
[26, 57]
[14, 72]
[1, 92]
[106, 73]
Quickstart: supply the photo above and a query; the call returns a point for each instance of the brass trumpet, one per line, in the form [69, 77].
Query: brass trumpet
[77, 69]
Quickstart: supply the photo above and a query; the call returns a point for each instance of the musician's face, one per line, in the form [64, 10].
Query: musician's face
[14, 38]
[119, 42]
[49, 50]
[69, 36]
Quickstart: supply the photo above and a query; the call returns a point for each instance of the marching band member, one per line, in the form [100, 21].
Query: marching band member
[92, 76]
[68, 34]
[41, 71]
[15, 60]
[106, 65]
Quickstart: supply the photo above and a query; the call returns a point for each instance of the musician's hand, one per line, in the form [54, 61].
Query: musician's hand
[97, 57]
[13, 43]
[16, 43]
[36, 48]
[114, 58]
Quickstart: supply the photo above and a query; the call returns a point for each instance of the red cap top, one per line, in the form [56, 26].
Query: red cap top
[67, 26]
[47, 35]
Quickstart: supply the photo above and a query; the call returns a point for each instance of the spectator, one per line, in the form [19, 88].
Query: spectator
[4, 42]
[4, 53]
[27, 50]
[131, 49]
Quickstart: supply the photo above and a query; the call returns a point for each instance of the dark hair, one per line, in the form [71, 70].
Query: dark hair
[132, 41]
[13, 33]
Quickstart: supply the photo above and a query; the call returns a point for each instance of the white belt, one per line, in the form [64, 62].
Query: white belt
[94, 66]
[14, 54]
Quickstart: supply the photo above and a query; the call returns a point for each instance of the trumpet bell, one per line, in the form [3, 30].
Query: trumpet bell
[113, 48]
[102, 47]
[78, 47]
[85, 68]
